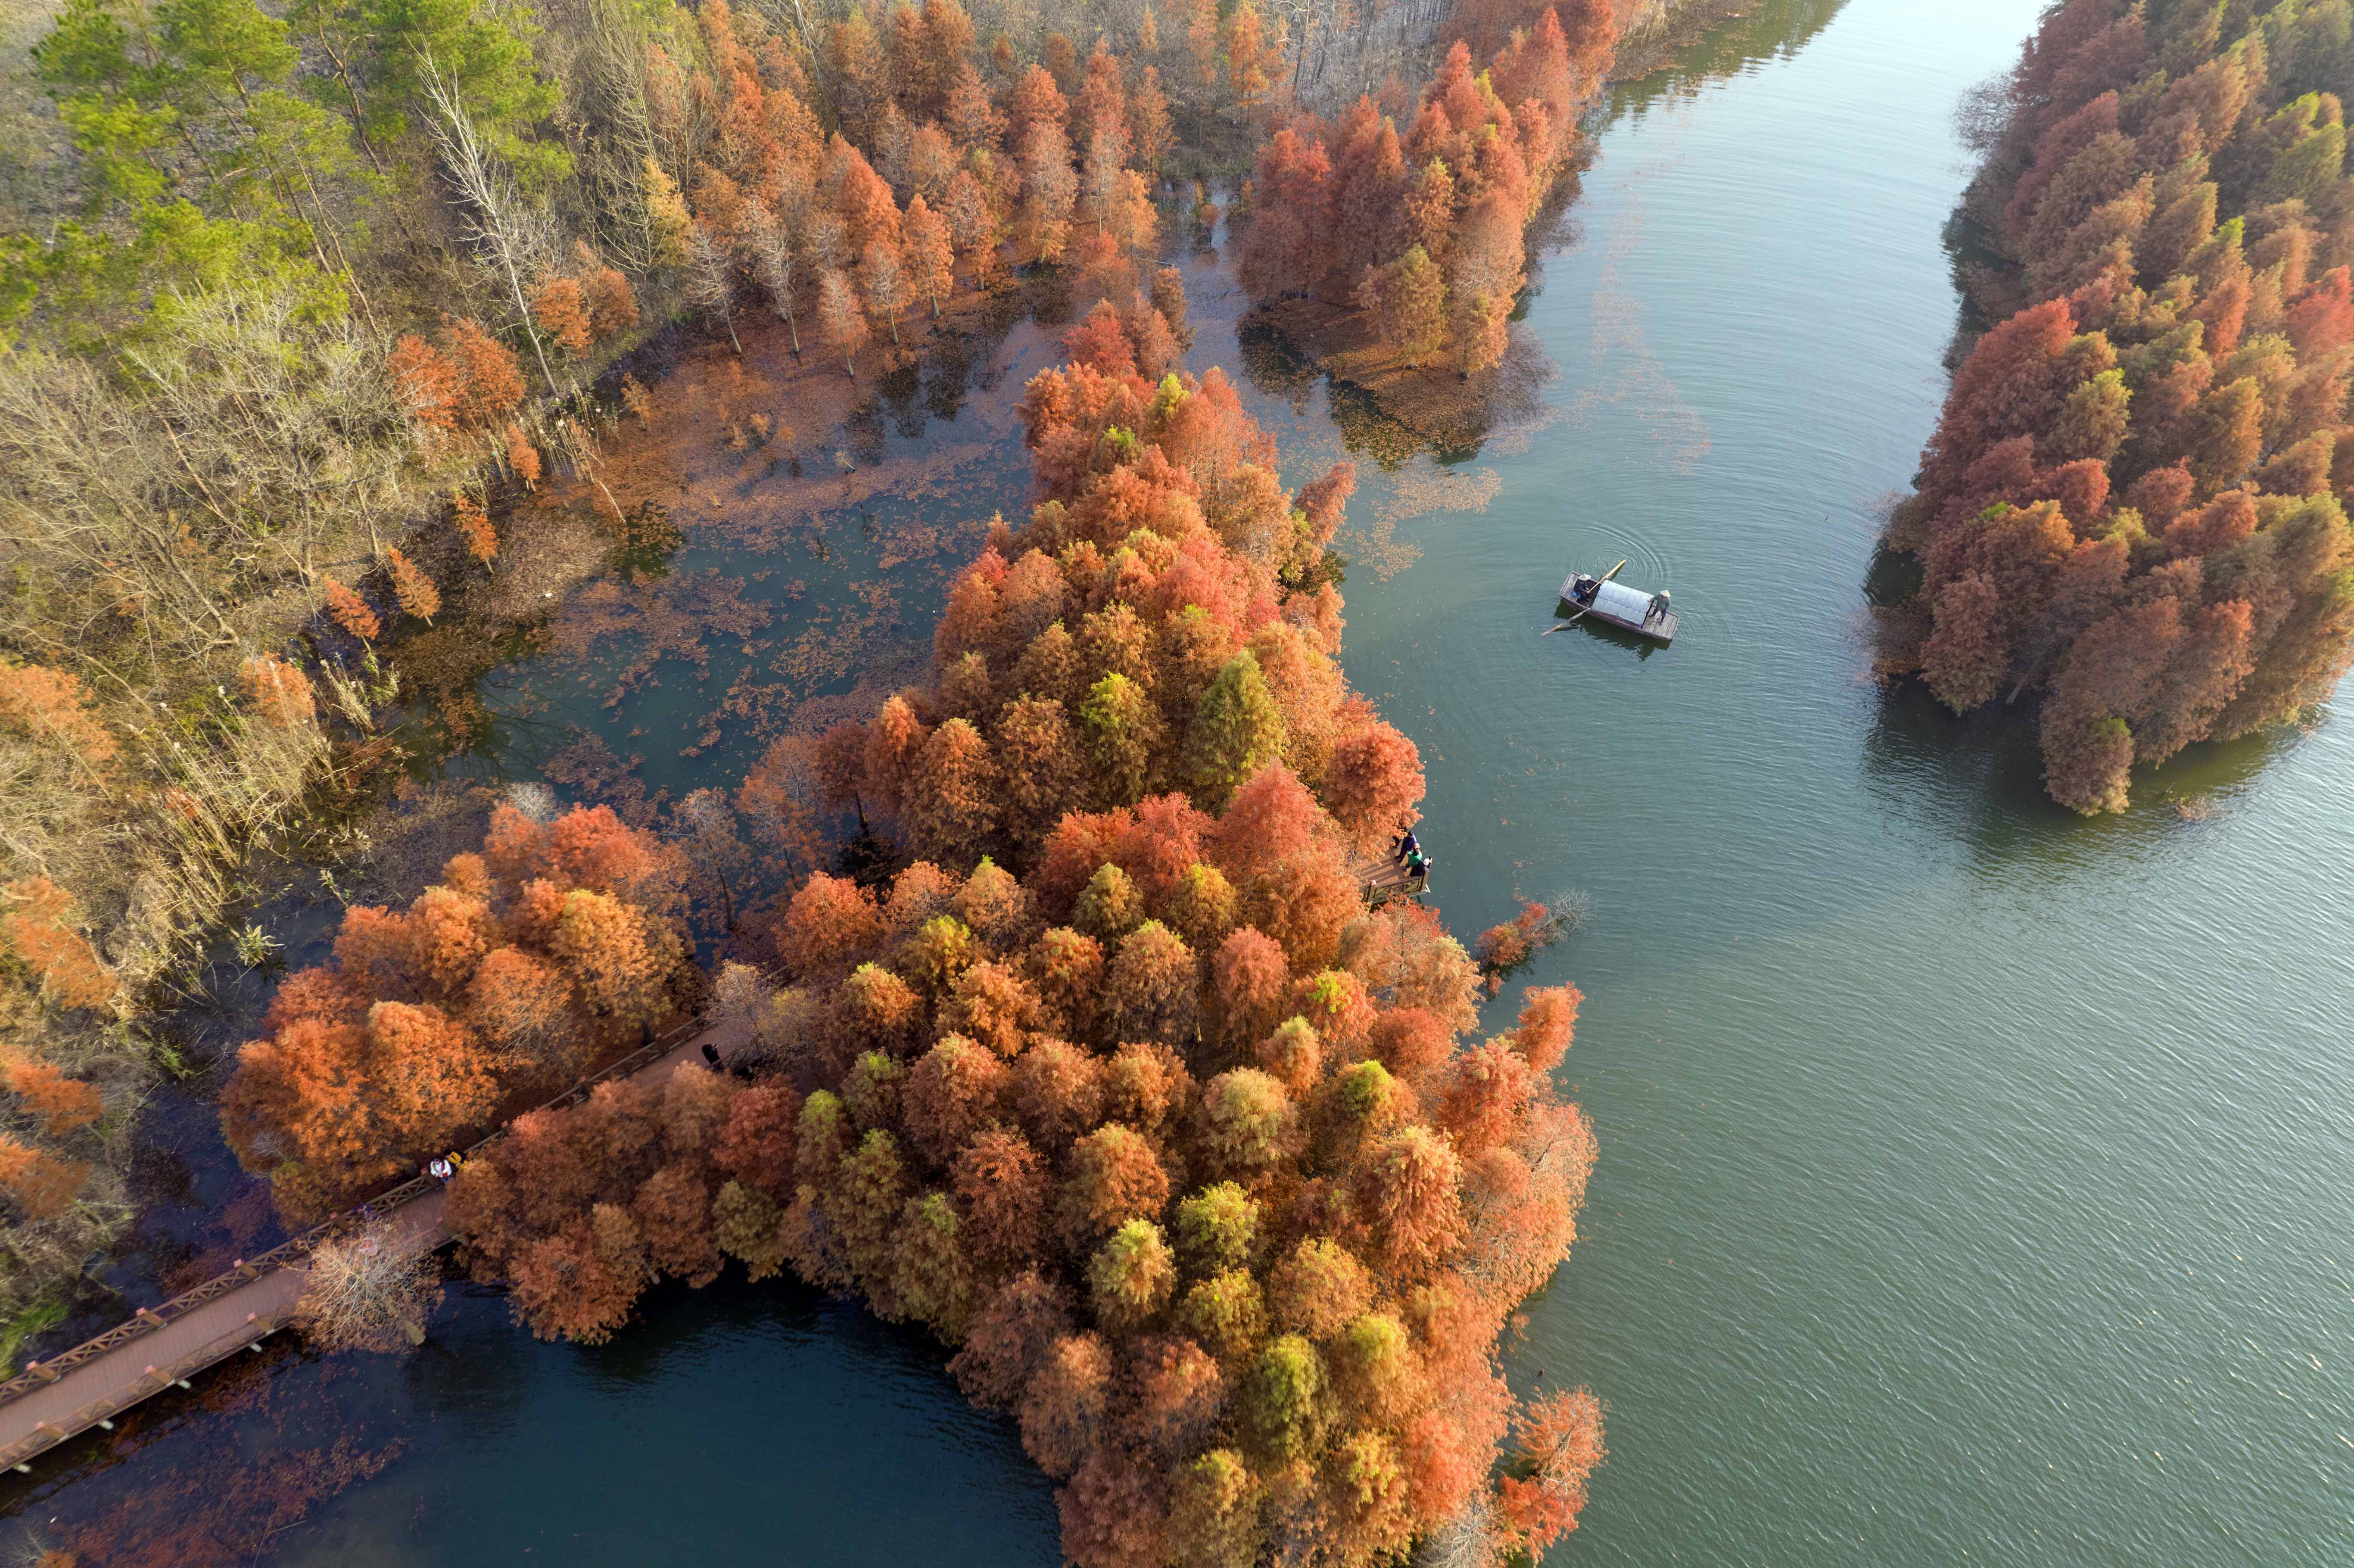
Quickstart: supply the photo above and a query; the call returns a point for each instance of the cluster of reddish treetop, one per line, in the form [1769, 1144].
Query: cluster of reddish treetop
[2131, 505]
[1426, 232]
[1117, 1088]
[951, 162]
[967, 176]
[550, 950]
[935, 170]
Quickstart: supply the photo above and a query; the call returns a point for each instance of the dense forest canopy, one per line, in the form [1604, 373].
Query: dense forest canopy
[1114, 1083]
[554, 949]
[1117, 1086]
[296, 301]
[2133, 504]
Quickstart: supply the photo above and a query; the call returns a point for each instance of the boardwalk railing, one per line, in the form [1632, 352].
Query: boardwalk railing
[152, 1380]
[1381, 880]
[38, 1375]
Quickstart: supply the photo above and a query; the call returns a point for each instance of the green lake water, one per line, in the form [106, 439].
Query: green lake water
[1974, 1178]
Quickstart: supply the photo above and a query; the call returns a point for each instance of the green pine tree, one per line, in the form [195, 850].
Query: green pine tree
[1418, 301]
[1123, 735]
[1237, 731]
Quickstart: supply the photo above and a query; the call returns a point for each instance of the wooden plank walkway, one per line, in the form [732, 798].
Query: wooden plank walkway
[161, 1348]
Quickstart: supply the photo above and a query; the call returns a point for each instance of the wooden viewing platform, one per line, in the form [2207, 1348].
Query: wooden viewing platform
[161, 1347]
[1383, 880]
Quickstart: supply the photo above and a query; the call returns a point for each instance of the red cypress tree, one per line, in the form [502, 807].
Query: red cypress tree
[413, 588]
[1558, 1442]
[951, 802]
[927, 257]
[490, 383]
[351, 611]
[1065, 1410]
[1486, 1098]
[1057, 1093]
[954, 1091]
[1004, 1187]
[1249, 981]
[1548, 1021]
[1114, 1177]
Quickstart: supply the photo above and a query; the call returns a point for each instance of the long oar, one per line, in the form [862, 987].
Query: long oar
[1574, 619]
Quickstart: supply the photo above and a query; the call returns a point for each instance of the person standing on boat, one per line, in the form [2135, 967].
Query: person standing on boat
[1659, 606]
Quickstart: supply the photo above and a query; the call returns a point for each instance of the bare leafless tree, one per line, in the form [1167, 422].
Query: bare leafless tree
[512, 236]
[773, 257]
[250, 441]
[1467, 1541]
[711, 276]
[601, 64]
[1983, 113]
[371, 1290]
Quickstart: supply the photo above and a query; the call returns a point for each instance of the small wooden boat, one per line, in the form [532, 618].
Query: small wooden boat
[1616, 604]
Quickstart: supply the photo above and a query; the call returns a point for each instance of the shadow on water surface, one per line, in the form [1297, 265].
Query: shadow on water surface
[765, 1403]
[779, 1403]
[1978, 778]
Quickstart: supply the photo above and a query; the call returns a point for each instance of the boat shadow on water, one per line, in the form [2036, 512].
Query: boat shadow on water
[1604, 631]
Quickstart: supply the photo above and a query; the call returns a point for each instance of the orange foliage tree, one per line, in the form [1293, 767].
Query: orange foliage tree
[1161, 1239]
[413, 587]
[482, 540]
[1152, 630]
[39, 929]
[470, 381]
[351, 611]
[929, 164]
[54, 706]
[557, 944]
[52, 1119]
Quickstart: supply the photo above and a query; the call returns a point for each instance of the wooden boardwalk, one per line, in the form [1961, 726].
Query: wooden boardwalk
[163, 1347]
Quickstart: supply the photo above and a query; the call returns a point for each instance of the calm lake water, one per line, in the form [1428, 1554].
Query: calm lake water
[1974, 1180]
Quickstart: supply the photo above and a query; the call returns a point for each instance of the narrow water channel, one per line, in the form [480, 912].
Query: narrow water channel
[1974, 1178]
